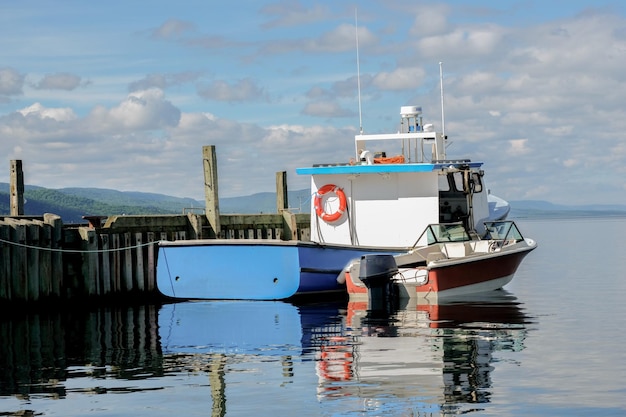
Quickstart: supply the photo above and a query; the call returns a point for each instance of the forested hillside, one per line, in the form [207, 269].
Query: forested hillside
[71, 208]
[74, 203]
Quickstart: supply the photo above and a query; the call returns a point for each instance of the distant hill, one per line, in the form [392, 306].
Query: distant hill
[73, 203]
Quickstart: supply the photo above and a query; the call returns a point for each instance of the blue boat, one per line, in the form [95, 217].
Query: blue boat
[250, 269]
[372, 203]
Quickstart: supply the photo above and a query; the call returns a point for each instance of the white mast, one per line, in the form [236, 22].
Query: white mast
[358, 70]
[443, 121]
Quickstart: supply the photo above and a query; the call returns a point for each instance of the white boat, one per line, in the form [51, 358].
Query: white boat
[451, 265]
[377, 202]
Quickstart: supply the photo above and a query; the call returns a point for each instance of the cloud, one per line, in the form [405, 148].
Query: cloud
[340, 39]
[172, 29]
[290, 13]
[568, 163]
[430, 20]
[214, 42]
[163, 81]
[326, 108]
[463, 42]
[11, 82]
[59, 114]
[243, 90]
[404, 78]
[58, 81]
[142, 110]
[518, 147]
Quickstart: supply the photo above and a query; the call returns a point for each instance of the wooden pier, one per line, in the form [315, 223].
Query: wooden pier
[42, 259]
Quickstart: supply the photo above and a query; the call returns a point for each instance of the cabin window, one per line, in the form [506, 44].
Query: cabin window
[457, 177]
[443, 183]
[478, 184]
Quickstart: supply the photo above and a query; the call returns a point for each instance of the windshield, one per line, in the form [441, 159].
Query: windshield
[449, 232]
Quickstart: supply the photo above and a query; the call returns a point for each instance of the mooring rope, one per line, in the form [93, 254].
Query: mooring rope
[22, 245]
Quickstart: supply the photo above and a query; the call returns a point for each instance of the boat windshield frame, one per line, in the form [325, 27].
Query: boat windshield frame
[500, 231]
[445, 233]
[503, 230]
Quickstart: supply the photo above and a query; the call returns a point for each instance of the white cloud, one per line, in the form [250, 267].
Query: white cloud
[430, 20]
[400, 79]
[58, 114]
[11, 82]
[59, 81]
[568, 163]
[326, 108]
[143, 110]
[470, 42]
[173, 28]
[518, 147]
[242, 90]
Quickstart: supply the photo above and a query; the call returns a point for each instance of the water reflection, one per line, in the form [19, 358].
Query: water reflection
[426, 358]
[438, 356]
[40, 350]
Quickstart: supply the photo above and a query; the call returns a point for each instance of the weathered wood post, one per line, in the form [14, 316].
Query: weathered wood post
[5, 263]
[19, 281]
[90, 267]
[282, 202]
[290, 226]
[209, 161]
[56, 242]
[17, 188]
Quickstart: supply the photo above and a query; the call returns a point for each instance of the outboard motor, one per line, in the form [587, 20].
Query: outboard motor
[376, 272]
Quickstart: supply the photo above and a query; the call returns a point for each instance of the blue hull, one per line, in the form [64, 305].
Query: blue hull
[321, 265]
[227, 271]
[251, 270]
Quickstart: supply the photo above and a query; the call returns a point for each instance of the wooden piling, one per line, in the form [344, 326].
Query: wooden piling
[18, 280]
[5, 264]
[90, 265]
[209, 160]
[56, 256]
[17, 188]
[282, 202]
[32, 261]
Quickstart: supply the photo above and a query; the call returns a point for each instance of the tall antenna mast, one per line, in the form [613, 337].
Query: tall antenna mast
[358, 70]
[443, 121]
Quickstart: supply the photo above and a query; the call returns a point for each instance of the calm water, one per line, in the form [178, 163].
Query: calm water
[552, 344]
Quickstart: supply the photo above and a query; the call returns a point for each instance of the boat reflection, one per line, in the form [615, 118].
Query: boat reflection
[437, 357]
[432, 358]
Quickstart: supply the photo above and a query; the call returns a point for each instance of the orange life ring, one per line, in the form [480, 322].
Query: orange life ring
[319, 210]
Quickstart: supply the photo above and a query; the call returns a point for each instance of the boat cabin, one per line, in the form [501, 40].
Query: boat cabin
[394, 187]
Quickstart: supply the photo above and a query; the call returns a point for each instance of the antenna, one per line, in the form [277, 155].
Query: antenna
[443, 121]
[358, 70]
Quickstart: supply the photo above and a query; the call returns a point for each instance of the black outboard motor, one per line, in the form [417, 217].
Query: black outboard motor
[376, 272]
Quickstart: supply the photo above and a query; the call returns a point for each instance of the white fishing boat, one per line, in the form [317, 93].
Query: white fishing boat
[379, 201]
[452, 264]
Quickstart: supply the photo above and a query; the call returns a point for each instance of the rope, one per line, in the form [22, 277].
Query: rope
[77, 250]
[169, 273]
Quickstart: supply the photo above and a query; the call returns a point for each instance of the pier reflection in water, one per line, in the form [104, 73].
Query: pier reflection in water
[262, 357]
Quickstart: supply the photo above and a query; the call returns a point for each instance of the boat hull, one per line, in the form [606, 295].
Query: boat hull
[485, 273]
[252, 269]
[223, 270]
[451, 277]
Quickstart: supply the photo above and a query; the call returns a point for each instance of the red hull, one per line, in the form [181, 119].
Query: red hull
[472, 272]
[465, 273]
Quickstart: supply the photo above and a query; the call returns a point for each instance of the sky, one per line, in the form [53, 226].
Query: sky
[124, 94]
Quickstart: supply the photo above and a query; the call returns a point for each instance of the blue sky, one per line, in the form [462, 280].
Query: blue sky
[124, 95]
